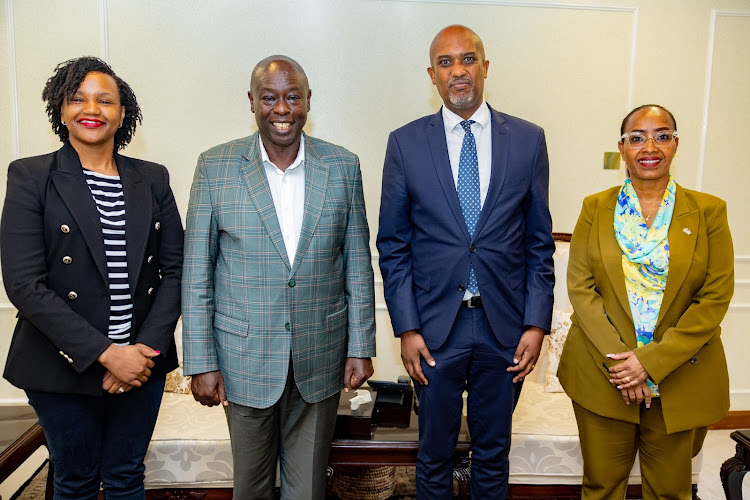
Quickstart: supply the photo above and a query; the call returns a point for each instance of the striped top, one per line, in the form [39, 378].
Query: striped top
[110, 201]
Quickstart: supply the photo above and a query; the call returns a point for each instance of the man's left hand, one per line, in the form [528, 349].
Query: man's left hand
[527, 352]
[357, 371]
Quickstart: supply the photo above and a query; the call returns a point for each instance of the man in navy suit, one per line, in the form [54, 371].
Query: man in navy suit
[466, 250]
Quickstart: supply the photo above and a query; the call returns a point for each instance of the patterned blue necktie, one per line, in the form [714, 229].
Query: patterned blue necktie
[468, 189]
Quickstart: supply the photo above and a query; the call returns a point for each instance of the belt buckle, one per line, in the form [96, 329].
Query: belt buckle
[472, 303]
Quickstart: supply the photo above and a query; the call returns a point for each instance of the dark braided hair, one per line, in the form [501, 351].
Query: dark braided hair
[65, 82]
[644, 106]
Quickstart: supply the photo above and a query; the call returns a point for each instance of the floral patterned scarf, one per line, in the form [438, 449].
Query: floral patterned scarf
[645, 258]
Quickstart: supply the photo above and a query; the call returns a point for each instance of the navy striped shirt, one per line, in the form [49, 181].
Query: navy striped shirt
[110, 201]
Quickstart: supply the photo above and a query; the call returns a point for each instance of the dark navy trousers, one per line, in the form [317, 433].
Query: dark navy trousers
[97, 441]
[471, 359]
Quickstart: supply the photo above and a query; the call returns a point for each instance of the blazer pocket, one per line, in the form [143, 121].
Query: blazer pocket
[230, 325]
[338, 319]
[517, 277]
[421, 280]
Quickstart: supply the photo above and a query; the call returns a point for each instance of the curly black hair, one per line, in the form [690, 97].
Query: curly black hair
[65, 82]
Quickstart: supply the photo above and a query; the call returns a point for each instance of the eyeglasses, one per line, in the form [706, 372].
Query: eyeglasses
[637, 140]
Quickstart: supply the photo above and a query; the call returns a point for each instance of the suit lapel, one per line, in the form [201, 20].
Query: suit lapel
[612, 253]
[439, 149]
[70, 183]
[316, 183]
[254, 177]
[138, 206]
[681, 247]
[500, 149]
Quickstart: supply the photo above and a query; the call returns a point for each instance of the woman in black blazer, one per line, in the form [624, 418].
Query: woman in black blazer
[91, 246]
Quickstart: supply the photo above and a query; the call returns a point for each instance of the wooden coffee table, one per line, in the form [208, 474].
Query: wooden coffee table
[394, 446]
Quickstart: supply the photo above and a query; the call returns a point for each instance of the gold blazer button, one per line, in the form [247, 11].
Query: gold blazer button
[67, 259]
[65, 228]
[72, 295]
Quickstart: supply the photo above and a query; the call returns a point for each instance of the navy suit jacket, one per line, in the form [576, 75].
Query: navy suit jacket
[55, 270]
[425, 247]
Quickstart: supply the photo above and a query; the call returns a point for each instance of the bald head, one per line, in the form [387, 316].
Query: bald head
[458, 69]
[274, 63]
[452, 31]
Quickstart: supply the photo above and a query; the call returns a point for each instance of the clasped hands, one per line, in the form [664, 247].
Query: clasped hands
[209, 390]
[127, 366]
[630, 378]
[413, 348]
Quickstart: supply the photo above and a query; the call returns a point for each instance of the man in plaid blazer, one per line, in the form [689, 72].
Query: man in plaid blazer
[278, 304]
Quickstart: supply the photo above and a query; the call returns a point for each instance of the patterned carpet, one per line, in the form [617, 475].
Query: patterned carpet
[33, 489]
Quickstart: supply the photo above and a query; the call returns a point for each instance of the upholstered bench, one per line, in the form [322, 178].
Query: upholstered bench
[190, 454]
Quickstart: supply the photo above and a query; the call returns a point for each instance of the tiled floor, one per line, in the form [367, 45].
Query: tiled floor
[718, 447]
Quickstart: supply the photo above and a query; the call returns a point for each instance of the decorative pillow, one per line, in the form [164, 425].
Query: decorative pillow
[559, 332]
[176, 381]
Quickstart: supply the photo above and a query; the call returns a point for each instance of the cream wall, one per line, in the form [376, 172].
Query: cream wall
[575, 69]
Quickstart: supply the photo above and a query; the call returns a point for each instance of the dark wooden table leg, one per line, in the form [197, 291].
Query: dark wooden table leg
[739, 462]
[733, 464]
[49, 490]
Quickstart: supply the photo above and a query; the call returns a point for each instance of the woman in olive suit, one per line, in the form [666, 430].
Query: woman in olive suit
[650, 277]
[91, 245]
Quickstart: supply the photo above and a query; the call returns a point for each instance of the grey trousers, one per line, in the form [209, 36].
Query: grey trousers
[296, 433]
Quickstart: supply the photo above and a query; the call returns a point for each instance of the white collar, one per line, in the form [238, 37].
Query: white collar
[451, 120]
[297, 161]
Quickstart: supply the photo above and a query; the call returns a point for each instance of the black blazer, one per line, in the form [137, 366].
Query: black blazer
[55, 270]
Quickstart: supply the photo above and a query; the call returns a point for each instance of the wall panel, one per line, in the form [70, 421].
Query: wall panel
[728, 116]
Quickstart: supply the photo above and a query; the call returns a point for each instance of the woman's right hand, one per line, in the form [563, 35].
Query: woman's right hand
[131, 363]
[637, 394]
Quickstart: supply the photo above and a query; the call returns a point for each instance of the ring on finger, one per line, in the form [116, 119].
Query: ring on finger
[120, 390]
[627, 379]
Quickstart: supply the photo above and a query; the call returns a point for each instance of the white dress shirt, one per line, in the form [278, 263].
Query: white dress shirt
[454, 136]
[288, 193]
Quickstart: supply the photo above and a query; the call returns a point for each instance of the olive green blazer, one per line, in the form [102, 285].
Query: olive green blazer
[686, 357]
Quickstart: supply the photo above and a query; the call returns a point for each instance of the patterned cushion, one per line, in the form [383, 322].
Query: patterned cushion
[558, 334]
[176, 381]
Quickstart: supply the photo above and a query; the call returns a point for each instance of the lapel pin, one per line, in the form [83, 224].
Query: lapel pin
[687, 231]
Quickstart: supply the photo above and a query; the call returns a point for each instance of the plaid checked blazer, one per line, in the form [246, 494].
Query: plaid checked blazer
[245, 309]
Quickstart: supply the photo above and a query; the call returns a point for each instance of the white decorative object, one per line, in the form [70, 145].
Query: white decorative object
[362, 397]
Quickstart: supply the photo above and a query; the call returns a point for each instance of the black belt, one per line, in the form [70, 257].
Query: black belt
[473, 303]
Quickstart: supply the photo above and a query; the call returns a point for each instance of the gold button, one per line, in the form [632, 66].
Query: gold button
[67, 259]
[64, 228]
[69, 359]
[72, 295]
[150, 259]
[157, 226]
[151, 291]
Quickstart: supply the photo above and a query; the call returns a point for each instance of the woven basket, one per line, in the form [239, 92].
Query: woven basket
[363, 483]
